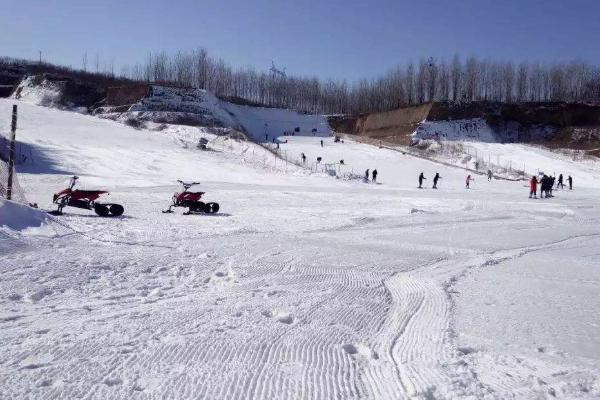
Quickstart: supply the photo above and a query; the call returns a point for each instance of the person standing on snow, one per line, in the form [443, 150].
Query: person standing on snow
[560, 182]
[303, 158]
[468, 182]
[367, 174]
[435, 180]
[544, 186]
[489, 175]
[421, 179]
[570, 180]
[321, 142]
[533, 187]
[374, 176]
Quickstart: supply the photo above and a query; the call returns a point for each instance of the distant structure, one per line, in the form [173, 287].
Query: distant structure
[277, 73]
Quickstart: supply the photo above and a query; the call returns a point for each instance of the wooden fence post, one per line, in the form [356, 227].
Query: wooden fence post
[11, 152]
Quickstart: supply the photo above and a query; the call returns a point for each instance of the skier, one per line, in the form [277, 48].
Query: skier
[321, 142]
[533, 187]
[421, 179]
[544, 186]
[570, 180]
[266, 137]
[489, 175]
[374, 175]
[468, 182]
[435, 180]
[560, 182]
[303, 158]
[367, 175]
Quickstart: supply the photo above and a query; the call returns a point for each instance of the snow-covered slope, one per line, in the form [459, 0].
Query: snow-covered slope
[20, 217]
[264, 124]
[201, 107]
[303, 286]
[71, 143]
[171, 104]
[39, 91]
[477, 130]
[395, 168]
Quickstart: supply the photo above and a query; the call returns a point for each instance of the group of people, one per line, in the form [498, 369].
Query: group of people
[546, 184]
[436, 179]
[373, 174]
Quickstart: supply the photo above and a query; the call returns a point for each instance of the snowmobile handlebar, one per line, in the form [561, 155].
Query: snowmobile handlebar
[187, 185]
[73, 181]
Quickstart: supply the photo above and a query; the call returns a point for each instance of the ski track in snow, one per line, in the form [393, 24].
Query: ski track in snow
[303, 287]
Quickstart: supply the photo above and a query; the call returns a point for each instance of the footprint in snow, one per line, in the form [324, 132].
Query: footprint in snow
[360, 350]
[38, 295]
[281, 316]
[112, 381]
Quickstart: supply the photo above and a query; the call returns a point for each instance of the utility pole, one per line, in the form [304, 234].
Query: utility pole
[11, 153]
[40, 57]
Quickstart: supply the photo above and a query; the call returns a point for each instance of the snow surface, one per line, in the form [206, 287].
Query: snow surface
[172, 103]
[302, 286]
[477, 130]
[19, 217]
[535, 160]
[34, 91]
[261, 121]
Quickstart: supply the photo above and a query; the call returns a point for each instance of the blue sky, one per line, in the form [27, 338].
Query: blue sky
[338, 39]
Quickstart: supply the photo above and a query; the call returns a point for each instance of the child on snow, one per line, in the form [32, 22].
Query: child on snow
[533, 187]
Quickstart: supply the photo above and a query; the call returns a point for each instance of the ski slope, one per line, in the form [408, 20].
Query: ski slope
[303, 286]
[264, 124]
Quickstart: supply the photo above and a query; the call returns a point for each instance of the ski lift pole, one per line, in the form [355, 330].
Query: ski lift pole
[11, 153]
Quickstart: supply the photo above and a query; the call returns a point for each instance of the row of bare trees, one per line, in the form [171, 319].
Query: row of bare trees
[465, 80]
[428, 80]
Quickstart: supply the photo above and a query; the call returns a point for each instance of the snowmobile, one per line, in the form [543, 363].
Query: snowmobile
[191, 200]
[85, 199]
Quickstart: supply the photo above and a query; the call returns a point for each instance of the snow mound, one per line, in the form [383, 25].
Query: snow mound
[19, 217]
[167, 104]
[39, 91]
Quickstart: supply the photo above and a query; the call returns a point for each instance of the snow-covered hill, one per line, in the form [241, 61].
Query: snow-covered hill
[39, 91]
[264, 124]
[302, 286]
[202, 108]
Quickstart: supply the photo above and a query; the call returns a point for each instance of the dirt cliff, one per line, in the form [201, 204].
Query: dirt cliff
[575, 125]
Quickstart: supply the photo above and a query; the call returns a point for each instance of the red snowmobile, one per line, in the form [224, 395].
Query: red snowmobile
[85, 199]
[191, 200]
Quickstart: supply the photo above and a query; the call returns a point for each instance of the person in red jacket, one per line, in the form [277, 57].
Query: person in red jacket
[533, 187]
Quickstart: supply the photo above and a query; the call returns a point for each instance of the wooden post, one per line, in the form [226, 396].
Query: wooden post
[11, 153]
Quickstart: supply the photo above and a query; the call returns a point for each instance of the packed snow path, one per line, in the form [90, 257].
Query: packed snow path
[303, 287]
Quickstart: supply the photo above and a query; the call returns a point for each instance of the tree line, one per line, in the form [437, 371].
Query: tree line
[460, 80]
[466, 80]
